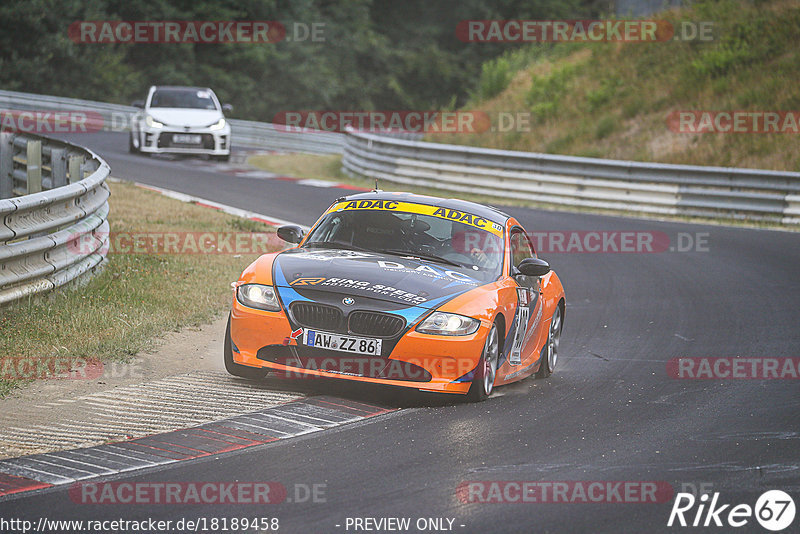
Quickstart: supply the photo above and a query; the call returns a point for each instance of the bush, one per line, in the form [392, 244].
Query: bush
[545, 93]
[495, 77]
[605, 127]
[608, 90]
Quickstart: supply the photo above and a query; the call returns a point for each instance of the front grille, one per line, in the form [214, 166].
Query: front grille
[312, 315]
[375, 324]
[165, 140]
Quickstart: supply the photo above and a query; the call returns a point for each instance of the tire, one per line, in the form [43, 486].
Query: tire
[242, 371]
[550, 349]
[131, 147]
[486, 372]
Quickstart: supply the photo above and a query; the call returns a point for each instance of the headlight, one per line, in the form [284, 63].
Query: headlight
[150, 121]
[218, 126]
[258, 296]
[448, 324]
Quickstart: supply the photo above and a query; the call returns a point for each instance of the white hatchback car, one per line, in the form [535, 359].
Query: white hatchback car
[181, 120]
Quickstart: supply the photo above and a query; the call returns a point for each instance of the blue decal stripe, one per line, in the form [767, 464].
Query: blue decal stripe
[286, 292]
[412, 314]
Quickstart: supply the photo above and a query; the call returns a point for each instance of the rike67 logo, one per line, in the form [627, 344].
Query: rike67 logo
[774, 510]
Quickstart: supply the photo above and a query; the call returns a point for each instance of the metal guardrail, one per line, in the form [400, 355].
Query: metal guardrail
[266, 136]
[116, 117]
[654, 188]
[53, 209]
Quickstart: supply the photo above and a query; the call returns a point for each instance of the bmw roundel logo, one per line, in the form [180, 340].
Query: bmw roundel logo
[347, 301]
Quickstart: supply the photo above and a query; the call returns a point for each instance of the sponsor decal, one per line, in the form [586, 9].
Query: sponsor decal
[427, 270]
[421, 209]
[325, 255]
[376, 289]
[312, 281]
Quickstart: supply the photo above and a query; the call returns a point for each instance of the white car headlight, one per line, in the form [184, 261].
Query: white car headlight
[448, 324]
[218, 125]
[258, 296]
[150, 121]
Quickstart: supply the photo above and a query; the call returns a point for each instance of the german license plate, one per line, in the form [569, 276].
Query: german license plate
[186, 139]
[353, 345]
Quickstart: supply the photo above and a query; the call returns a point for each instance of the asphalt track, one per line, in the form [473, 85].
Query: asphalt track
[611, 412]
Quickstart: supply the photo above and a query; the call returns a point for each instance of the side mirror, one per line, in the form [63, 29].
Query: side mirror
[227, 108]
[533, 267]
[291, 233]
[138, 104]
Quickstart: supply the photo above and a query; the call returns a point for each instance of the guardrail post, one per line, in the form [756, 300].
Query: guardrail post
[75, 164]
[58, 167]
[34, 165]
[6, 165]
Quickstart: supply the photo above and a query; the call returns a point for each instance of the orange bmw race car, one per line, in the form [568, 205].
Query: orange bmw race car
[434, 294]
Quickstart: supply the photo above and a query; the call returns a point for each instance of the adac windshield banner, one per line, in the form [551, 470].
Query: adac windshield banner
[421, 209]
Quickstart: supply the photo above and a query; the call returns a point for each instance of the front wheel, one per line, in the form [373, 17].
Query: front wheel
[550, 356]
[132, 143]
[243, 371]
[486, 372]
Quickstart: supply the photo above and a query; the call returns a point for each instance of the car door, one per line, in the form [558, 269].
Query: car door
[529, 306]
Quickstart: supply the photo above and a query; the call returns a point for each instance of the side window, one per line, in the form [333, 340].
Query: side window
[520, 247]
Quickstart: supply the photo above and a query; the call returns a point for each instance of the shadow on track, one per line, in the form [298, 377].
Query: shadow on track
[382, 395]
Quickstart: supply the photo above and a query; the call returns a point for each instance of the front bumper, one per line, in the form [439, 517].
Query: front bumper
[419, 361]
[162, 141]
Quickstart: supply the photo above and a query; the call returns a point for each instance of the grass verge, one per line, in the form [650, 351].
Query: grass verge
[136, 297]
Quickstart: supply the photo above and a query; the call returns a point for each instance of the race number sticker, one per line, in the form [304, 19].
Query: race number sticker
[523, 314]
[527, 300]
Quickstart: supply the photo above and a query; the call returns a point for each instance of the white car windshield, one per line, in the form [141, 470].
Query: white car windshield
[182, 98]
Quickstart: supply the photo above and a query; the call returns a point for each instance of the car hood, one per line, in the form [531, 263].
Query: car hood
[395, 282]
[185, 117]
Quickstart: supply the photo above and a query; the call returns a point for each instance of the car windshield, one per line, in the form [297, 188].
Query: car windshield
[452, 244]
[182, 98]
